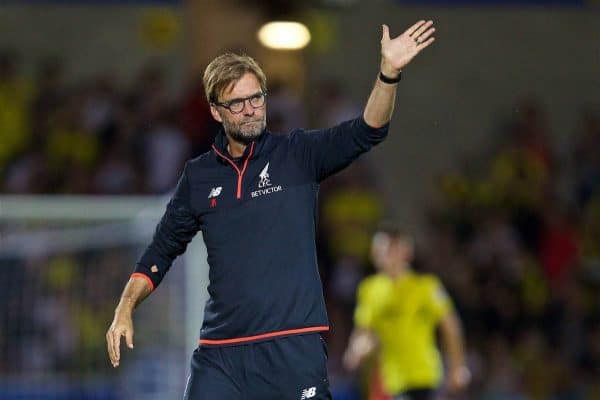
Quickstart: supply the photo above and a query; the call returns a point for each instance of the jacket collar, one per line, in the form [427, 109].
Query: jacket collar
[220, 146]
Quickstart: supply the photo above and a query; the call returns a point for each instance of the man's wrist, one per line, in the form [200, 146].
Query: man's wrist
[388, 71]
[389, 79]
[125, 306]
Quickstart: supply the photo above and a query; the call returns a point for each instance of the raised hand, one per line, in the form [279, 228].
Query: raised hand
[396, 53]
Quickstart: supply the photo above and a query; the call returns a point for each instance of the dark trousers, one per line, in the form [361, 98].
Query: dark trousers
[292, 367]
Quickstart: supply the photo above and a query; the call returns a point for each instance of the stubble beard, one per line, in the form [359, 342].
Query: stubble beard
[244, 133]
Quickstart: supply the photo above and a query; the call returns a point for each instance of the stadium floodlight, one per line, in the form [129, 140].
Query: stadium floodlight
[284, 35]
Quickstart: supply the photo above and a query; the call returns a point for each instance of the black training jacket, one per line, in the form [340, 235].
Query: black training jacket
[258, 218]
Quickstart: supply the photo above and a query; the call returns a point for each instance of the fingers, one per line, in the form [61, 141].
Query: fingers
[116, 340]
[423, 37]
[113, 342]
[413, 28]
[458, 379]
[113, 346]
[109, 345]
[421, 28]
[385, 32]
[129, 338]
[425, 44]
[456, 387]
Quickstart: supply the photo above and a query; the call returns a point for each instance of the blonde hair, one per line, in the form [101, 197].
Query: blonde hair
[227, 69]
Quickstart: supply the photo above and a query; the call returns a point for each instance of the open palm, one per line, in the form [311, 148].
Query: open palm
[398, 52]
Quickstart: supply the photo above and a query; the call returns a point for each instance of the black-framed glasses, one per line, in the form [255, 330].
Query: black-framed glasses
[236, 106]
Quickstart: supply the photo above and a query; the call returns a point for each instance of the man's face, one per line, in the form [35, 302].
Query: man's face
[249, 123]
[389, 254]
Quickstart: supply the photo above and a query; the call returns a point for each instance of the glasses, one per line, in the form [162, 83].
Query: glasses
[236, 106]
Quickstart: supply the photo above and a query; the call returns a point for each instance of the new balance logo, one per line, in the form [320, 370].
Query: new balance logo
[309, 393]
[264, 177]
[215, 192]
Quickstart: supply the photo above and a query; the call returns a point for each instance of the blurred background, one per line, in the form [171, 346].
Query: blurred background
[493, 162]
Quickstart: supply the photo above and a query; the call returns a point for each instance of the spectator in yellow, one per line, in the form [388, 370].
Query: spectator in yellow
[397, 313]
[15, 98]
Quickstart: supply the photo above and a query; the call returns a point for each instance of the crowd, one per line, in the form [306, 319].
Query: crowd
[95, 137]
[513, 232]
[516, 238]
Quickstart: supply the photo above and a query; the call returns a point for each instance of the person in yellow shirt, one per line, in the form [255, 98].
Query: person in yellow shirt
[15, 99]
[397, 313]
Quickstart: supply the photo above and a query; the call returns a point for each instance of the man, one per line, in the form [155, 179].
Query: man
[398, 311]
[254, 197]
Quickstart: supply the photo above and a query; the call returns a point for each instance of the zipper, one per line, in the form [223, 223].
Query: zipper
[239, 172]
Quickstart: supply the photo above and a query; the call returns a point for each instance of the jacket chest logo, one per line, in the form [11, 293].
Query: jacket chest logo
[264, 177]
[264, 184]
[214, 193]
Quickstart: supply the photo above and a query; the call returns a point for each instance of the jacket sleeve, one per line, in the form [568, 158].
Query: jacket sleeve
[327, 151]
[175, 230]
